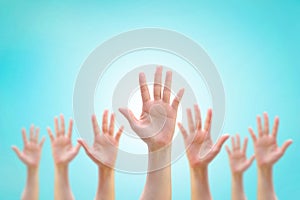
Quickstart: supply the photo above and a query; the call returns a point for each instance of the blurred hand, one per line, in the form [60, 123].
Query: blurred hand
[31, 153]
[267, 151]
[105, 148]
[62, 150]
[237, 155]
[199, 145]
[157, 121]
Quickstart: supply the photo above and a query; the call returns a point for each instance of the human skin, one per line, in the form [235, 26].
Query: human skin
[156, 127]
[63, 153]
[103, 153]
[200, 151]
[238, 164]
[31, 156]
[267, 153]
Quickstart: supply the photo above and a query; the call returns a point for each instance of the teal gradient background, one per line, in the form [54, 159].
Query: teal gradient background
[254, 45]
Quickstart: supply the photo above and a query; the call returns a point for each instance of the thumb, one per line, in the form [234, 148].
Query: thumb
[128, 114]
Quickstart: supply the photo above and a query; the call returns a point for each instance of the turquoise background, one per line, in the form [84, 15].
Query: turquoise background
[254, 45]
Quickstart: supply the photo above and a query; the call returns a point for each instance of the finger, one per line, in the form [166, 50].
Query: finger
[24, 136]
[233, 145]
[42, 142]
[198, 126]
[86, 149]
[266, 124]
[228, 150]
[50, 134]
[95, 125]
[238, 142]
[144, 88]
[259, 126]
[57, 132]
[18, 152]
[245, 145]
[190, 121]
[198, 116]
[220, 142]
[167, 88]
[76, 149]
[208, 120]
[84, 145]
[275, 127]
[250, 161]
[253, 136]
[112, 125]
[119, 133]
[285, 145]
[104, 121]
[177, 99]
[62, 124]
[129, 116]
[70, 130]
[31, 133]
[182, 130]
[157, 83]
[36, 135]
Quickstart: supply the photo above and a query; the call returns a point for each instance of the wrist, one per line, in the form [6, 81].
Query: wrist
[32, 169]
[265, 170]
[237, 175]
[61, 168]
[105, 171]
[200, 172]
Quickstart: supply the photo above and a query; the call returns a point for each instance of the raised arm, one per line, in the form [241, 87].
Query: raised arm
[31, 156]
[63, 153]
[104, 154]
[200, 152]
[156, 128]
[238, 165]
[267, 153]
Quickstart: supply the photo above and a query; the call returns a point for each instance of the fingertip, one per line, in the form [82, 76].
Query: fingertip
[226, 136]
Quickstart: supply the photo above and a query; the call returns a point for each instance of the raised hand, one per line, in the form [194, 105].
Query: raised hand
[31, 156]
[31, 153]
[62, 149]
[237, 155]
[105, 148]
[200, 148]
[157, 122]
[267, 151]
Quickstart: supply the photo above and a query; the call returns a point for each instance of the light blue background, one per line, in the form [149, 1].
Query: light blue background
[255, 47]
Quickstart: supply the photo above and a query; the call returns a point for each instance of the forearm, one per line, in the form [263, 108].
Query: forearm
[265, 189]
[158, 182]
[199, 184]
[62, 190]
[237, 188]
[106, 184]
[31, 191]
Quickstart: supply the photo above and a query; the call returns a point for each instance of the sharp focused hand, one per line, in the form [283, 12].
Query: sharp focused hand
[157, 122]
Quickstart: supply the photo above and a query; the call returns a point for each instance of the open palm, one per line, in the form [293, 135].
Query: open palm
[267, 151]
[62, 149]
[237, 155]
[200, 148]
[105, 147]
[157, 122]
[31, 153]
